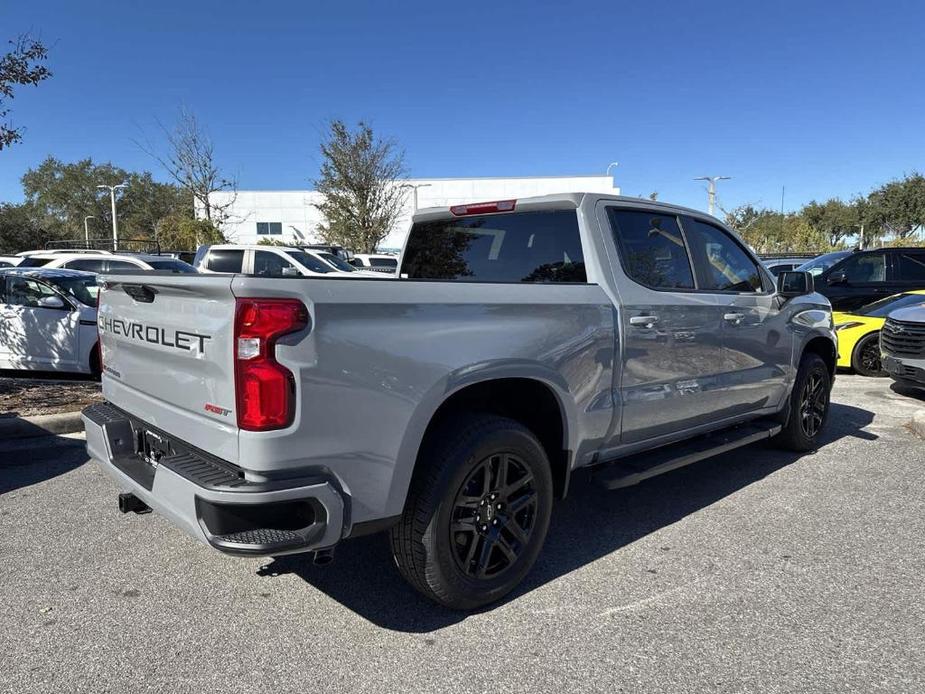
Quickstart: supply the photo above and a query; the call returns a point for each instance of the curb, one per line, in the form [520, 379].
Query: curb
[40, 425]
[918, 423]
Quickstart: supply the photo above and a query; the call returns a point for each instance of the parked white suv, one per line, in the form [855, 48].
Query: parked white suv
[265, 261]
[106, 262]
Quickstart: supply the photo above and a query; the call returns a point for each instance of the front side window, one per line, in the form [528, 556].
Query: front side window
[515, 247]
[84, 289]
[652, 248]
[864, 269]
[912, 267]
[721, 262]
[267, 264]
[269, 228]
[226, 260]
[27, 293]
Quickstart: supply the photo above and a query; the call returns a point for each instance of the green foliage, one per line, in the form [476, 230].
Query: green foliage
[271, 242]
[22, 65]
[62, 195]
[180, 232]
[359, 178]
[833, 218]
[898, 207]
[19, 230]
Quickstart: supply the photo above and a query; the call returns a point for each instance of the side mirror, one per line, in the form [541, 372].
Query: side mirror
[793, 283]
[51, 302]
[838, 277]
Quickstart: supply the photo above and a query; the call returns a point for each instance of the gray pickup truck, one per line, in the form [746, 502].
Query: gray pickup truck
[521, 341]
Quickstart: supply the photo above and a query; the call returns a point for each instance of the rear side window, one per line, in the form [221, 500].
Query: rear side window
[519, 247]
[723, 265]
[85, 264]
[652, 248]
[32, 261]
[226, 260]
[912, 267]
[777, 269]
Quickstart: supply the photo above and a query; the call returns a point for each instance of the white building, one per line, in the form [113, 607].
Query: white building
[290, 215]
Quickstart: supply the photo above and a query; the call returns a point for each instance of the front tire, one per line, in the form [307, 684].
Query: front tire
[477, 512]
[865, 359]
[809, 405]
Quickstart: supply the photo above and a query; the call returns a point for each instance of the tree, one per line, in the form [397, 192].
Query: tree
[898, 207]
[182, 232]
[18, 229]
[834, 218]
[190, 162]
[23, 65]
[360, 181]
[61, 195]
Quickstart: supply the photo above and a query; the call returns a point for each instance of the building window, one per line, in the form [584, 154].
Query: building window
[269, 228]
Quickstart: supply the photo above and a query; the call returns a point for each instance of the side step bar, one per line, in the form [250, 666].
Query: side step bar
[631, 470]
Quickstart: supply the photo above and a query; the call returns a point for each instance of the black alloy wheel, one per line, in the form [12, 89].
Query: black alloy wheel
[494, 515]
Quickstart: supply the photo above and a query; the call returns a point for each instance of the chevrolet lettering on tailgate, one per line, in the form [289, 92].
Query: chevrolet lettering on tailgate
[178, 339]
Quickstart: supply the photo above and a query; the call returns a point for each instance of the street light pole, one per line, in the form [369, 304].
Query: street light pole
[612, 165]
[711, 188]
[86, 230]
[414, 187]
[115, 222]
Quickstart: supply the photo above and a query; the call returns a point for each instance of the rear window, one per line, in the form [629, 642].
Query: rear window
[171, 265]
[226, 260]
[520, 247]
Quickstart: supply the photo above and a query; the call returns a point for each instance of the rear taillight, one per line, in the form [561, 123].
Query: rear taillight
[483, 207]
[264, 388]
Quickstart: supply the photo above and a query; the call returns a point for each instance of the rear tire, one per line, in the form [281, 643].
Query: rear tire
[809, 405]
[865, 359]
[477, 512]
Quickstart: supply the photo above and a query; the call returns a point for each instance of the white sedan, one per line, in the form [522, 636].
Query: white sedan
[48, 320]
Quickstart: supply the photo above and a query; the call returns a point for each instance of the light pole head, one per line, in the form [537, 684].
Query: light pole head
[612, 165]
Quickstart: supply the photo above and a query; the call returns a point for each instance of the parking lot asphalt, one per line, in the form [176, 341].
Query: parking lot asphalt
[754, 571]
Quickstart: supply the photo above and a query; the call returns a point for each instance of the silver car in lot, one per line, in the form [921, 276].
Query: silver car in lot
[48, 320]
[902, 346]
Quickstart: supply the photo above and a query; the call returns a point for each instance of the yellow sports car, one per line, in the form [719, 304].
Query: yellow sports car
[859, 331]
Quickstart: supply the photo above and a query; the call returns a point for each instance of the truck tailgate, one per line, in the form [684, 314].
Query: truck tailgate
[166, 345]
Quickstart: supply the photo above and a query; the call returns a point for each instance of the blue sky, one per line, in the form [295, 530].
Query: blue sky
[823, 98]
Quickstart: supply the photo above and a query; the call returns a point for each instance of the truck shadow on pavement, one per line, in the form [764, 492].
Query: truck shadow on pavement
[589, 524]
[24, 467]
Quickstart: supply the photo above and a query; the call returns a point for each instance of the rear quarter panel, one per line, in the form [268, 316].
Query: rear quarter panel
[381, 357]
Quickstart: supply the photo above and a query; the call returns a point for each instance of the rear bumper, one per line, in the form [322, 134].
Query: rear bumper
[211, 499]
[904, 370]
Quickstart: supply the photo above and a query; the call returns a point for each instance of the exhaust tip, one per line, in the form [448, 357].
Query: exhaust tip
[323, 557]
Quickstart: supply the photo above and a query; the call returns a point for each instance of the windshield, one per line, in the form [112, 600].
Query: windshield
[83, 289]
[310, 262]
[172, 265]
[339, 263]
[817, 266]
[882, 308]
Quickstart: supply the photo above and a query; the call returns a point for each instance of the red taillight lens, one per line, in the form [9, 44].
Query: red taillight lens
[265, 389]
[483, 207]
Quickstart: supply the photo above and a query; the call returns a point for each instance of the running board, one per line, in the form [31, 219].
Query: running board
[625, 472]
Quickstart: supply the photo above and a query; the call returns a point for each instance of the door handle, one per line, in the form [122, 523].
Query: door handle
[734, 318]
[643, 321]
